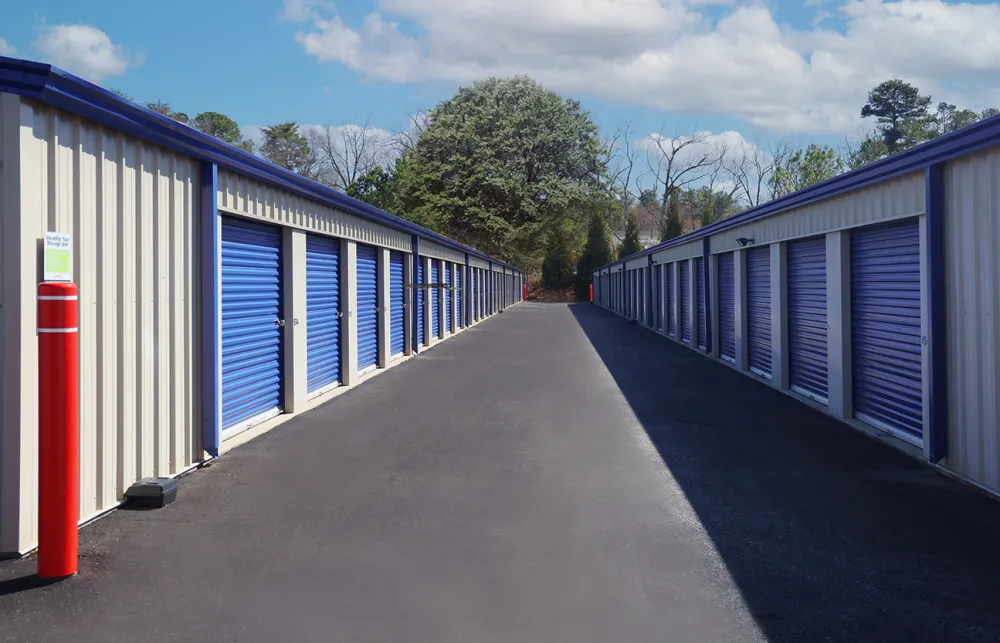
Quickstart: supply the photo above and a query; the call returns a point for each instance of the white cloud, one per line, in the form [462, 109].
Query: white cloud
[302, 10]
[6, 49]
[730, 144]
[672, 55]
[84, 50]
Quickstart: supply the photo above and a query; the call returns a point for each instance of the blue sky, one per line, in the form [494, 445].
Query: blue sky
[760, 71]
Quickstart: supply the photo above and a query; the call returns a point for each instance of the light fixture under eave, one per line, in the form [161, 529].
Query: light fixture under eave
[743, 241]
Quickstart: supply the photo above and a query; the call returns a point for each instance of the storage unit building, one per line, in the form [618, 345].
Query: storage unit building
[218, 293]
[870, 297]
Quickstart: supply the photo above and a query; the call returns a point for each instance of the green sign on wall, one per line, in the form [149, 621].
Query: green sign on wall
[58, 257]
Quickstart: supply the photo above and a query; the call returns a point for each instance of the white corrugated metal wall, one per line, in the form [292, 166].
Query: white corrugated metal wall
[897, 199]
[131, 210]
[972, 232]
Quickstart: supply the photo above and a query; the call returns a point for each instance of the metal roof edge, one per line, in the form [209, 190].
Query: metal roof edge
[969, 139]
[55, 87]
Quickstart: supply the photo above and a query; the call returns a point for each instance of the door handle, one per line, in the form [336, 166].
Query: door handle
[279, 322]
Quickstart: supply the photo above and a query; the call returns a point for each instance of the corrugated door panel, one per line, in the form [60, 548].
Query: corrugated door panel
[419, 294]
[727, 307]
[251, 338]
[651, 297]
[322, 312]
[367, 306]
[659, 297]
[435, 293]
[699, 277]
[641, 299]
[635, 295]
[671, 301]
[759, 310]
[449, 296]
[885, 326]
[807, 325]
[397, 304]
[685, 306]
[459, 295]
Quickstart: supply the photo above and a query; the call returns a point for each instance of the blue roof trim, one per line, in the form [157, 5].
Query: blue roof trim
[58, 88]
[975, 137]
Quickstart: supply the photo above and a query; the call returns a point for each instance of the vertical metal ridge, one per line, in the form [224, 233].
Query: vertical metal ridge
[937, 307]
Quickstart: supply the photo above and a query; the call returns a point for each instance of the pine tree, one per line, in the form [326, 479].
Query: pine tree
[672, 227]
[631, 244]
[596, 253]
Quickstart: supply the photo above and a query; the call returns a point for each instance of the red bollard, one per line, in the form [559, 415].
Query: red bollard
[525, 298]
[58, 430]
[591, 293]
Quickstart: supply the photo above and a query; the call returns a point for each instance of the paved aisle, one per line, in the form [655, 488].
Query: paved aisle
[504, 487]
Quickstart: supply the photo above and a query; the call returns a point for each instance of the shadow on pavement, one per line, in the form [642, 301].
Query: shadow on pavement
[830, 535]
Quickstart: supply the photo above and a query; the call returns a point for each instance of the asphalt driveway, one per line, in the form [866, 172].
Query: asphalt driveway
[554, 474]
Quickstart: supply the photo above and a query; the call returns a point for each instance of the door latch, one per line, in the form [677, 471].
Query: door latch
[279, 322]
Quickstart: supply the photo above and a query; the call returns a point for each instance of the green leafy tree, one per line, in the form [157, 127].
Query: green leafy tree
[597, 252]
[989, 112]
[949, 118]
[872, 148]
[895, 103]
[672, 227]
[284, 146]
[630, 244]
[805, 167]
[499, 163]
[559, 265]
[380, 187]
[165, 109]
[223, 128]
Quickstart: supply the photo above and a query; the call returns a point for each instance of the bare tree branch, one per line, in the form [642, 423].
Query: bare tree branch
[620, 156]
[682, 161]
[405, 140]
[752, 172]
[348, 152]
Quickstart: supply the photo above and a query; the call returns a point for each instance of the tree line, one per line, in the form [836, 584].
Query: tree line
[522, 173]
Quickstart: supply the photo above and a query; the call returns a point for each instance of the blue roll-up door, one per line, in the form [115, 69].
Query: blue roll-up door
[701, 321]
[659, 297]
[459, 294]
[727, 307]
[475, 295]
[397, 305]
[635, 295]
[671, 302]
[449, 296]
[807, 366]
[435, 294]
[367, 272]
[419, 295]
[685, 307]
[885, 327]
[759, 310]
[322, 312]
[251, 323]
[641, 298]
